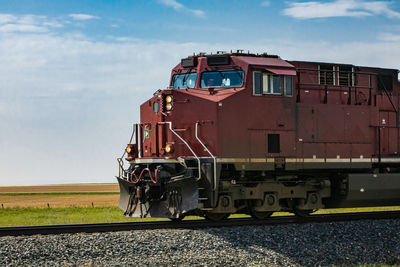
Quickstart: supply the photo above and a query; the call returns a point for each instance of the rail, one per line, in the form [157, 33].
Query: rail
[213, 157]
[193, 224]
[187, 145]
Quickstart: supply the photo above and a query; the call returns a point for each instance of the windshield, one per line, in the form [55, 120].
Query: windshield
[222, 79]
[183, 81]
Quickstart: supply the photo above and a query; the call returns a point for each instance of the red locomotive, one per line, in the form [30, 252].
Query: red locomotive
[246, 133]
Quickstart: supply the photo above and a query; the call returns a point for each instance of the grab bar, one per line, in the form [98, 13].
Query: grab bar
[191, 150]
[214, 159]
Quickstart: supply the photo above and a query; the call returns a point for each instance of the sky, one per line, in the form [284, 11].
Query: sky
[73, 73]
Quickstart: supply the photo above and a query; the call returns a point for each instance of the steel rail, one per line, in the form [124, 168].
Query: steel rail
[192, 224]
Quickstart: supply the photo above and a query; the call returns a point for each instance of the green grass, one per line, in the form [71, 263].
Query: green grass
[74, 215]
[46, 216]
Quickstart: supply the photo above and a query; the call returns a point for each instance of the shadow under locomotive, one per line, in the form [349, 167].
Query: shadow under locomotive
[368, 242]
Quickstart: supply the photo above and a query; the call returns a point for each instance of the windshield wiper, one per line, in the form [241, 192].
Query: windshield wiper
[222, 75]
[185, 77]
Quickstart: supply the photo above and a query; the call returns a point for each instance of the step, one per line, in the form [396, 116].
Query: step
[206, 208]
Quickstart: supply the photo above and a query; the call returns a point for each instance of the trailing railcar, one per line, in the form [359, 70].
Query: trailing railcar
[246, 133]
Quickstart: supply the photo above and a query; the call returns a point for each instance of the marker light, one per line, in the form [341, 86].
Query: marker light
[168, 148]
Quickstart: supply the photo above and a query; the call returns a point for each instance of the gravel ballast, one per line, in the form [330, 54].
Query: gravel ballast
[341, 243]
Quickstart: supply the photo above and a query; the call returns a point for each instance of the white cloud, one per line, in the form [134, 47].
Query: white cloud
[172, 3]
[7, 18]
[390, 37]
[82, 16]
[181, 8]
[22, 28]
[340, 8]
[266, 3]
[27, 23]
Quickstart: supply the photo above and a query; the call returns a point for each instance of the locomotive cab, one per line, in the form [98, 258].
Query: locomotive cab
[246, 133]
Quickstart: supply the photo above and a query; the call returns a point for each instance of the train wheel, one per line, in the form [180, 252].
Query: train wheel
[303, 213]
[215, 217]
[259, 215]
[179, 219]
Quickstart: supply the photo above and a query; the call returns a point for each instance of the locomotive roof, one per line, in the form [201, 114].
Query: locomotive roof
[265, 59]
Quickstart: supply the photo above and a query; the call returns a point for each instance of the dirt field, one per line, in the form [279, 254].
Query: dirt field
[60, 188]
[82, 195]
[59, 201]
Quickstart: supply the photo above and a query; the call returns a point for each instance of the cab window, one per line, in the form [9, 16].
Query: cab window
[184, 81]
[222, 79]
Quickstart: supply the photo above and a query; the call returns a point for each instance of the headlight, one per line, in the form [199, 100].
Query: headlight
[168, 106]
[168, 148]
[128, 149]
[168, 98]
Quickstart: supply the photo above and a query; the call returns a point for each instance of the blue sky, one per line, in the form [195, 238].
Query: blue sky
[74, 73]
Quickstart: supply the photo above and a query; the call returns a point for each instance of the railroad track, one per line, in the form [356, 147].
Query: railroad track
[192, 224]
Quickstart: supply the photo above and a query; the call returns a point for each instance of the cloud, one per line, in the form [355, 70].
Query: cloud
[27, 23]
[340, 8]
[82, 16]
[389, 37]
[266, 3]
[7, 18]
[181, 8]
[22, 28]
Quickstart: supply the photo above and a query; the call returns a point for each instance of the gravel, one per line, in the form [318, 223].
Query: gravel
[370, 242]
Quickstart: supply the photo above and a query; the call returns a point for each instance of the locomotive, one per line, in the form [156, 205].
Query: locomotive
[253, 133]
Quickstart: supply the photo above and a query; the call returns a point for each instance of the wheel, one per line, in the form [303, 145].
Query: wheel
[259, 215]
[303, 213]
[179, 219]
[215, 217]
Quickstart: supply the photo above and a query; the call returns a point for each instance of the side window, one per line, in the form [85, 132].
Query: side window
[271, 84]
[277, 84]
[267, 86]
[257, 86]
[288, 86]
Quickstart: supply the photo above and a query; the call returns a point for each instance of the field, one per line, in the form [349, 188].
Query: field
[60, 196]
[65, 188]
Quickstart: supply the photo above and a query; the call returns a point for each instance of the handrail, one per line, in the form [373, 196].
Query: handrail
[191, 150]
[120, 160]
[391, 102]
[214, 159]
